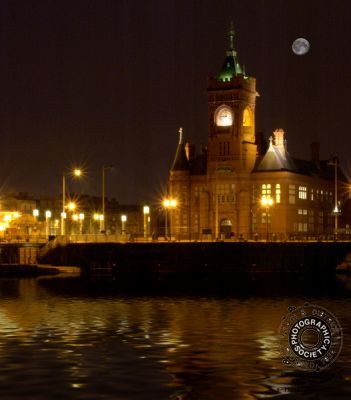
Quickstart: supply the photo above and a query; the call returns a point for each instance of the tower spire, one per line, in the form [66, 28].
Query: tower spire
[180, 162]
[180, 131]
[231, 36]
[231, 66]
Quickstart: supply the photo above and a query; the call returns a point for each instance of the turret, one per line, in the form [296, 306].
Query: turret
[181, 162]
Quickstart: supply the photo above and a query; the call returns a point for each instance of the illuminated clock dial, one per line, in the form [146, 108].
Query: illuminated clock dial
[224, 117]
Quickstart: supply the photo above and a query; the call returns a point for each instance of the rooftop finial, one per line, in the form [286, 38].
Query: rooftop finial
[231, 36]
[270, 143]
[180, 131]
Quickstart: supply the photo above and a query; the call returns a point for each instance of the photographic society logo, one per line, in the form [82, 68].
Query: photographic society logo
[310, 337]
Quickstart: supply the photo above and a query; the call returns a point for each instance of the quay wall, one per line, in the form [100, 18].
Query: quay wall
[202, 257]
[21, 253]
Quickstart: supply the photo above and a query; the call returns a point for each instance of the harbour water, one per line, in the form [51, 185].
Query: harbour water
[64, 338]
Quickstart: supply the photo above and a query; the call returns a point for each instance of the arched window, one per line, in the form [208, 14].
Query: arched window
[247, 117]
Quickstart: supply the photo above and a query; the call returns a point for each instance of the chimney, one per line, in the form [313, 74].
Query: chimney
[315, 146]
[190, 151]
[279, 138]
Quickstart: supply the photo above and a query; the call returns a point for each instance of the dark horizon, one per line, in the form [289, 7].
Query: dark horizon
[91, 83]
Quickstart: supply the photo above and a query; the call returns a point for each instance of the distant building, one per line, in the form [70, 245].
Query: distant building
[91, 208]
[23, 215]
[238, 187]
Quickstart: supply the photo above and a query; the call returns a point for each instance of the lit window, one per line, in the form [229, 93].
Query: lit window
[277, 193]
[266, 190]
[302, 227]
[303, 192]
[247, 117]
[312, 195]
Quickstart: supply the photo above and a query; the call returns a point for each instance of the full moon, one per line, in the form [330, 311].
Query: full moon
[300, 46]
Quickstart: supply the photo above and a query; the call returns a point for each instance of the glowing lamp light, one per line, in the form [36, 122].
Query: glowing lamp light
[63, 215]
[35, 213]
[75, 217]
[266, 202]
[71, 206]
[48, 214]
[77, 172]
[170, 203]
[101, 217]
[123, 218]
[146, 210]
[81, 216]
[16, 214]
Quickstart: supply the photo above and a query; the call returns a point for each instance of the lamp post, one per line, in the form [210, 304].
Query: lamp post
[104, 168]
[81, 220]
[336, 210]
[47, 222]
[77, 173]
[96, 218]
[75, 218]
[168, 203]
[267, 202]
[146, 212]
[123, 220]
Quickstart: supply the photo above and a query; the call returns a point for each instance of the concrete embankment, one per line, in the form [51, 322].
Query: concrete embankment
[21, 270]
[201, 257]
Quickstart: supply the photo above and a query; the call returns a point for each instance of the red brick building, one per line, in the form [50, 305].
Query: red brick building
[237, 187]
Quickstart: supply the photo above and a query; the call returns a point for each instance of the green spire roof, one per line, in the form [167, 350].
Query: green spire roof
[231, 66]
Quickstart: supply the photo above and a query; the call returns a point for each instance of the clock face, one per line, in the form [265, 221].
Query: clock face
[224, 117]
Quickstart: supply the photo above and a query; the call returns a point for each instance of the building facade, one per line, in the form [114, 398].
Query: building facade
[23, 216]
[240, 187]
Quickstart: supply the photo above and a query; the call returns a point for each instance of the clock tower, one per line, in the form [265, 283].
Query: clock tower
[231, 116]
[231, 143]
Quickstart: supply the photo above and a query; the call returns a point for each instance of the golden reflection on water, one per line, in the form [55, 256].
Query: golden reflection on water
[180, 348]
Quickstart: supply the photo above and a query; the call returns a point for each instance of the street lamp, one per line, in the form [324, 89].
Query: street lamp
[267, 202]
[336, 210]
[104, 168]
[77, 172]
[47, 222]
[98, 218]
[36, 213]
[81, 220]
[71, 206]
[168, 204]
[146, 212]
[124, 220]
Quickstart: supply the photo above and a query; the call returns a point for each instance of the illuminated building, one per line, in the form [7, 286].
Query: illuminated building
[222, 192]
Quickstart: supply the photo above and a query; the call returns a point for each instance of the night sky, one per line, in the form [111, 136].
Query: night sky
[110, 82]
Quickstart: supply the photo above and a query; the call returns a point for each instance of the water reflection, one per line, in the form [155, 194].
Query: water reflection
[63, 338]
